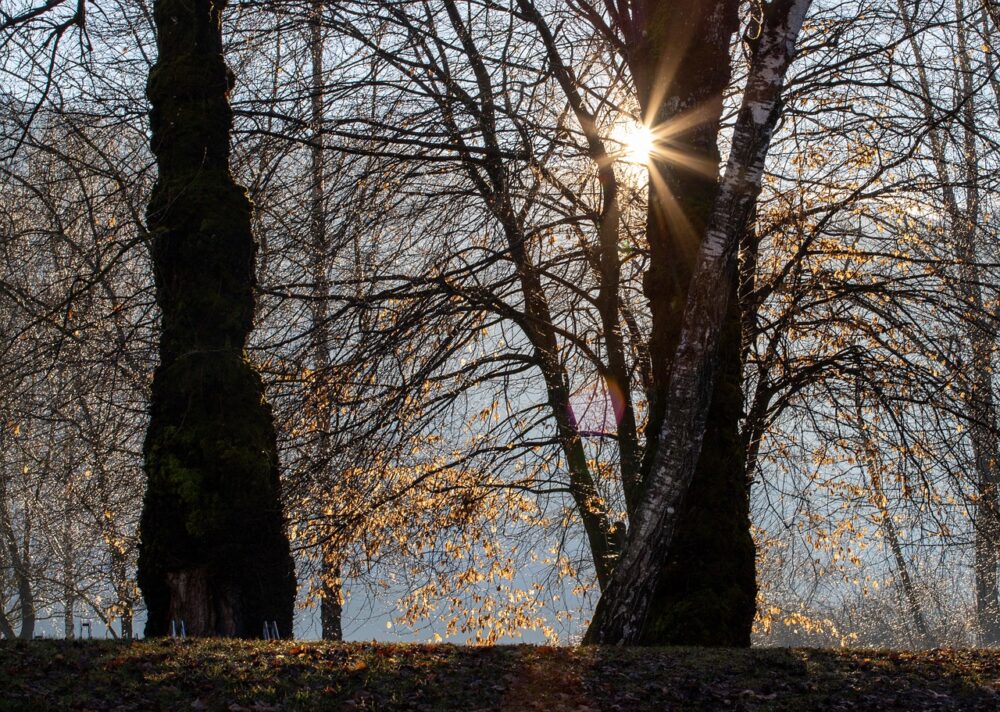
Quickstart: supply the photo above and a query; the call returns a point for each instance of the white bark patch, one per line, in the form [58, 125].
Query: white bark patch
[759, 110]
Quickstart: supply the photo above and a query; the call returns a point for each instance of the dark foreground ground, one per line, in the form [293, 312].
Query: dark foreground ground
[224, 675]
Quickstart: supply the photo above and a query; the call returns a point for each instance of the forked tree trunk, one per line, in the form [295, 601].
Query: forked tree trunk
[213, 550]
[679, 56]
[708, 590]
[623, 612]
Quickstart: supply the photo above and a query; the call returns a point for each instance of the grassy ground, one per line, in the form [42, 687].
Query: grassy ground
[235, 676]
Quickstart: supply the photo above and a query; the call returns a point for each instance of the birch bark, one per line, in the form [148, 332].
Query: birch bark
[622, 611]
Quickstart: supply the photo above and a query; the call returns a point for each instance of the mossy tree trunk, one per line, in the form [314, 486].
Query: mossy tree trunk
[681, 66]
[213, 552]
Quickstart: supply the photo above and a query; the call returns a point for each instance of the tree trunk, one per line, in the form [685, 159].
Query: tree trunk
[607, 266]
[987, 534]
[331, 603]
[707, 595]
[69, 581]
[981, 338]
[536, 318]
[213, 551]
[923, 636]
[331, 606]
[977, 333]
[623, 613]
[120, 582]
[20, 562]
[870, 460]
[6, 629]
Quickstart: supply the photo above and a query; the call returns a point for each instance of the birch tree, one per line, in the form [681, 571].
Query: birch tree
[623, 609]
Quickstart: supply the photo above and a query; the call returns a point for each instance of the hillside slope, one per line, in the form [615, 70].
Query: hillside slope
[235, 676]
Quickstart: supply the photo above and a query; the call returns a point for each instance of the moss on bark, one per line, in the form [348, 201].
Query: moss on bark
[213, 549]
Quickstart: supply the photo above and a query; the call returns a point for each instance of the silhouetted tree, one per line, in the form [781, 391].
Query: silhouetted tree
[213, 549]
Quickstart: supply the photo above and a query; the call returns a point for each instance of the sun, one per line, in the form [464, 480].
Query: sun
[636, 140]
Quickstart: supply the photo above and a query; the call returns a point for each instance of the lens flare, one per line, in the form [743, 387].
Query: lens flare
[636, 141]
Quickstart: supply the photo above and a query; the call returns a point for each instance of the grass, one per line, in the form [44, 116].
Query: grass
[238, 676]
